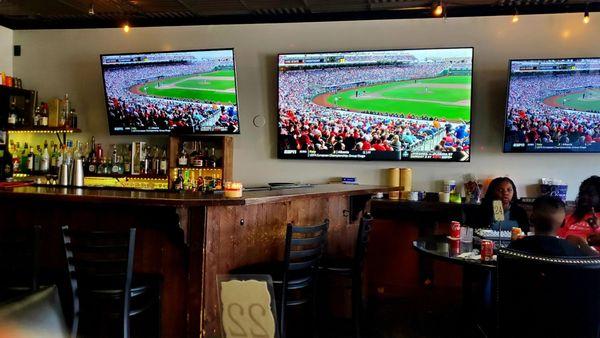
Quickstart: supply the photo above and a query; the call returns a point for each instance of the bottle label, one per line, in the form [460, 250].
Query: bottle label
[163, 166]
[92, 168]
[115, 169]
[183, 161]
[44, 121]
[12, 119]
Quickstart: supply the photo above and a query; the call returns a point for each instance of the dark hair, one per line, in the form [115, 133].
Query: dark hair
[489, 194]
[542, 207]
[590, 185]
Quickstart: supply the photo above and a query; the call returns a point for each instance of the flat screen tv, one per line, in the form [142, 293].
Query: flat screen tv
[181, 91]
[392, 105]
[553, 106]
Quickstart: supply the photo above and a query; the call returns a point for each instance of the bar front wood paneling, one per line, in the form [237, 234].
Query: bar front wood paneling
[188, 239]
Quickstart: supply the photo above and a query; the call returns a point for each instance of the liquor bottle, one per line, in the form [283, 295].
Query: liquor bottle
[156, 162]
[24, 155]
[16, 160]
[163, 163]
[99, 152]
[13, 113]
[37, 116]
[178, 182]
[195, 160]
[206, 157]
[147, 163]
[44, 114]
[212, 159]
[182, 159]
[116, 164]
[37, 159]
[45, 159]
[64, 112]
[54, 161]
[30, 160]
[127, 161]
[6, 169]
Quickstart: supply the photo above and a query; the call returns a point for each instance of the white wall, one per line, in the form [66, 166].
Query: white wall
[59, 61]
[6, 50]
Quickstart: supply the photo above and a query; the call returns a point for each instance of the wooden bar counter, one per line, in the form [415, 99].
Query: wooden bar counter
[188, 239]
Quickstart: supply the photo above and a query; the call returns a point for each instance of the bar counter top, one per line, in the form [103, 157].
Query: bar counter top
[168, 198]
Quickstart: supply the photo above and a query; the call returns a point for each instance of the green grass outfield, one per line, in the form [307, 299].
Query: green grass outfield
[186, 87]
[577, 102]
[443, 99]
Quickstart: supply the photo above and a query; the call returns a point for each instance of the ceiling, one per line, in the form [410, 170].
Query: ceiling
[41, 14]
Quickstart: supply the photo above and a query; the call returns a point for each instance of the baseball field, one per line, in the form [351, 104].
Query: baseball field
[217, 86]
[443, 97]
[582, 100]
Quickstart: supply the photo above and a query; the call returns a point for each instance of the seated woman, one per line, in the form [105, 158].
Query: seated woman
[583, 222]
[504, 190]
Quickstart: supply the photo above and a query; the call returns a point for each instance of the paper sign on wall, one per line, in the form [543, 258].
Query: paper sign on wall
[498, 211]
[247, 306]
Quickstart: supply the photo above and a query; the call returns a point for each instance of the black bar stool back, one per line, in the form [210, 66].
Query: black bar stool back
[100, 268]
[304, 247]
[352, 268]
[19, 261]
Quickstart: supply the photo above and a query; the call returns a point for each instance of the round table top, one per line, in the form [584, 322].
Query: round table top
[443, 248]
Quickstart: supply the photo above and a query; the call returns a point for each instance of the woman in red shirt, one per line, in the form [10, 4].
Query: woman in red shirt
[583, 222]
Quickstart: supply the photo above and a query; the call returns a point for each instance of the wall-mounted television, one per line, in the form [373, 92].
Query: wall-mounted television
[392, 105]
[180, 91]
[553, 106]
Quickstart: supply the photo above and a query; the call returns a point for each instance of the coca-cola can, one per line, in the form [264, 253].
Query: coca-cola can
[487, 250]
[454, 248]
[455, 230]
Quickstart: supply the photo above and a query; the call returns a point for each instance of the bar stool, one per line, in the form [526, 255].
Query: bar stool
[295, 279]
[19, 261]
[352, 268]
[104, 288]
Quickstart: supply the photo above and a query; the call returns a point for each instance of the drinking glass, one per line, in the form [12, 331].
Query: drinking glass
[466, 234]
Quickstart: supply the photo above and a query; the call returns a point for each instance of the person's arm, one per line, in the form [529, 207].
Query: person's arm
[519, 215]
[594, 240]
[582, 244]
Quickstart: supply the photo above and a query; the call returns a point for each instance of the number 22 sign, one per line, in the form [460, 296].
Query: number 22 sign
[247, 306]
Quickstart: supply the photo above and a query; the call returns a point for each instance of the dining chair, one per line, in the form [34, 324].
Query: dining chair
[105, 291]
[352, 268]
[541, 296]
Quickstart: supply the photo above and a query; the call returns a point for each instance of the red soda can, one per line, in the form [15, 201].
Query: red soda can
[487, 250]
[455, 230]
[454, 248]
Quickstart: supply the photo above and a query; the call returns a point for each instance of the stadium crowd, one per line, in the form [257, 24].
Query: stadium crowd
[134, 110]
[330, 130]
[532, 119]
[305, 125]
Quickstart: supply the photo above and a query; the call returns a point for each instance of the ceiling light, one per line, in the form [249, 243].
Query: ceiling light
[126, 28]
[439, 9]
[586, 16]
[91, 10]
[515, 17]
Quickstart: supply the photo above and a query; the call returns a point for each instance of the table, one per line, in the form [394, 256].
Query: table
[478, 276]
[442, 248]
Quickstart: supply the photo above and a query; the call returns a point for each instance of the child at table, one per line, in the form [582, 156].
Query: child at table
[547, 217]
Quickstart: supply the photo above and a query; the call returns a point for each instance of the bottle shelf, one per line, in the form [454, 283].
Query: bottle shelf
[43, 130]
[196, 168]
[132, 177]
